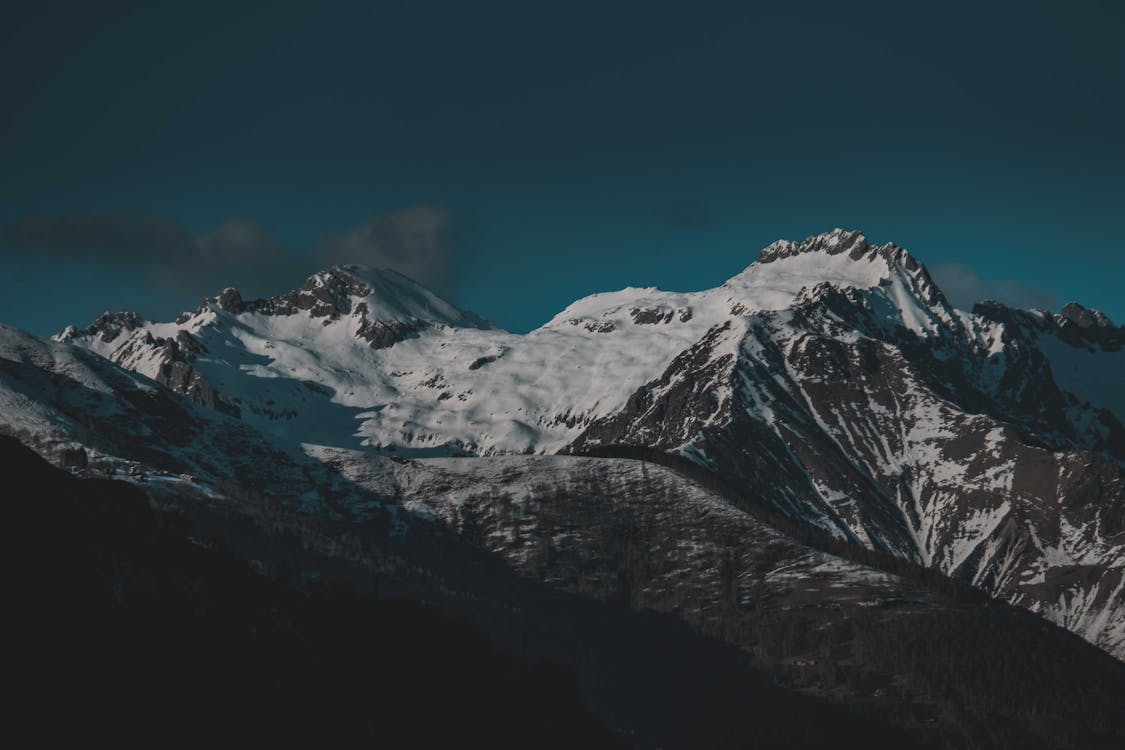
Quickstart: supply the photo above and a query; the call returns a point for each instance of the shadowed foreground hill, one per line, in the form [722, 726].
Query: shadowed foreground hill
[127, 631]
[131, 627]
[137, 625]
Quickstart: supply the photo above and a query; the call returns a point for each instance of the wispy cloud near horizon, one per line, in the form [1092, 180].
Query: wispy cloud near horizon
[964, 287]
[418, 241]
[422, 242]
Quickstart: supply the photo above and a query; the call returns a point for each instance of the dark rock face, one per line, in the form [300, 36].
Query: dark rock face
[1075, 324]
[231, 301]
[329, 294]
[332, 295]
[188, 344]
[594, 326]
[930, 449]
[650, 315]
[381, 335]
[184, 379]
[480, 362]
[174, 370]
[659, 315]
[107, 327]
[1084, 318]
[1018, 384]
[836, 242]
[73, 458]
[285, 304]
[685, 404]
[1001, 313]
[324, 295]
[1092, 328]
[177, 374]
[712, 404]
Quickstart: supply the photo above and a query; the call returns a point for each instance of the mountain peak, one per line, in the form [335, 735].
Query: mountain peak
[380, 294]
[107, 327]
[230, 299]
[1084, 317]
[843, 258]
[840, 242]
[835, 242]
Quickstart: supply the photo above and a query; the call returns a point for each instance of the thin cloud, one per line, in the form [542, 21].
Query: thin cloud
[963, 286]
[114, 238]
[160, 250]
[418, 241]
[421, 242]
[237, 242]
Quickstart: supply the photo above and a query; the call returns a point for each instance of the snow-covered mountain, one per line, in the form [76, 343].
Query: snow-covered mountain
[418, 374]
[830, 381]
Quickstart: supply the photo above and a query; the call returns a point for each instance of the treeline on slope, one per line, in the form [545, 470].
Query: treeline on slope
[810, 536]
[245, 646]
[146, 628]
[955, 674]
[968, 672]
[126, 631]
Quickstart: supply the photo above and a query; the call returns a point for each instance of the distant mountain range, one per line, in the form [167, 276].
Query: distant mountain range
[822, 433]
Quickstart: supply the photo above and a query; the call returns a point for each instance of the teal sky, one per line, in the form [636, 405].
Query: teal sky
[519, 155]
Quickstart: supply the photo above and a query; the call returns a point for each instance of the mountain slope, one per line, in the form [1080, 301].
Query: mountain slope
[131, 629]
[831, 381]
[938, 660]
[846, 412]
